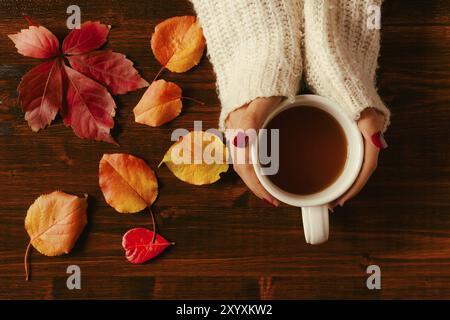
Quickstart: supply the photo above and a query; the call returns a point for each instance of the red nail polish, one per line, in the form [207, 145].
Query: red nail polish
[240, 140]
[269, 203]
[379, 141]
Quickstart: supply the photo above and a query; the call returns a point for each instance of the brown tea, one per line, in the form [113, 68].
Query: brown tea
[312, 150]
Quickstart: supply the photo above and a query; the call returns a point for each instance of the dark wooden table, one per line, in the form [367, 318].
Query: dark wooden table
[230, 244]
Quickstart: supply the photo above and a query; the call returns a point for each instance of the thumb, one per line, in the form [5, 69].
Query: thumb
[260, 108]
[255, 115]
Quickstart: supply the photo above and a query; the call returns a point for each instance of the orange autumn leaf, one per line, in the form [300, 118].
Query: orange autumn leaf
[160, 104]
[127, 182]
[54, 222]
[178, 43]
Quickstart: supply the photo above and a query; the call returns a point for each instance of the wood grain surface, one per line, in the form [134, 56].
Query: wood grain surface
[229, 244]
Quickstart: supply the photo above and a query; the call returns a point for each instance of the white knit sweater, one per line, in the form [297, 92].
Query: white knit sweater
[259, 48]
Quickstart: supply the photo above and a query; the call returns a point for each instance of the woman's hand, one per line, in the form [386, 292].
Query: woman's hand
[250, 116]
[371, 125]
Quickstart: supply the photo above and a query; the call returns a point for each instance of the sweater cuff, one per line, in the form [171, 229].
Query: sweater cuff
[261, 75]
[360, 95]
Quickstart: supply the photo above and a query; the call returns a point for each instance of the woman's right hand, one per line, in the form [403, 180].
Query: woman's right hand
[250, 116]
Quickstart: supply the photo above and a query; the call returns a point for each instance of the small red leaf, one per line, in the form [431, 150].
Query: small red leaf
[90, 107]
[40, 94]
[90, 36]
[36, 42]
[110, 68]
[138, 245]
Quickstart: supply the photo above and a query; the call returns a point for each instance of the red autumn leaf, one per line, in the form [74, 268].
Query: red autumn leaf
[90, 107]
[109, 68]
[41, 94]
[90, 36]
[36, 42]
[141, 245]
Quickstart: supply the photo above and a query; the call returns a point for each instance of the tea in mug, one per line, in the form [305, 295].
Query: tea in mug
[312, 150]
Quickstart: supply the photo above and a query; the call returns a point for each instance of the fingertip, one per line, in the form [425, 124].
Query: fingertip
[270, 202]
[276, 202]
[332, 206]
[267, 197]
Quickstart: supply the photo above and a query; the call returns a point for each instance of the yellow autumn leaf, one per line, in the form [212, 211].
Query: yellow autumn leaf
[54, 222]
[197, 158]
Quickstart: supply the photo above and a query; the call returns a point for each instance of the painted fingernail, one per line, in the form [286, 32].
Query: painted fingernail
[379, 141]
[269, 203]
[240, 140]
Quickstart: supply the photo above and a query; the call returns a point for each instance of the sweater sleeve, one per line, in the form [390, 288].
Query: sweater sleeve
[254, 47]
[341, 53]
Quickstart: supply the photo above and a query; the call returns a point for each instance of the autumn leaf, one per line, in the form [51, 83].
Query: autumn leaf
[197, 158]
[127, 182]
[90, 36]
[41, 94]
[90, 108]
[129, 186]
[109, 68]
[160, 104]
[54, 222]
[178, 43]
[84, 104]
[141, 245]
[36, 42]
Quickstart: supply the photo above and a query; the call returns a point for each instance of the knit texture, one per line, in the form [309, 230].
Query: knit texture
[258, 49]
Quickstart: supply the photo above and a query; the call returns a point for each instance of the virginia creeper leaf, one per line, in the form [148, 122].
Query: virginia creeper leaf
[36, 42]
[41, 94]
[128, 184]
[109, 68]
[54, 222]
[140, 247]
[178, 43]
[90, 36]
[90, 107]
[197, 158]
[160, 104]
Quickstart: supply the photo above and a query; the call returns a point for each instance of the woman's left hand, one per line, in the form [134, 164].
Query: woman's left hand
[371, 124]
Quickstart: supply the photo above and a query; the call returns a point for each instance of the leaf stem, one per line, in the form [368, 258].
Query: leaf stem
[154, 224]
[195, 100]
[159, 73]
[25, 261]
[28, 19]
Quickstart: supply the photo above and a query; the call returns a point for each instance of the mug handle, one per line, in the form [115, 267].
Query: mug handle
[315, 224]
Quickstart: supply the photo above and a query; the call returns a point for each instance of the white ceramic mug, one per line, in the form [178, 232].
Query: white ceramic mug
[315, 206]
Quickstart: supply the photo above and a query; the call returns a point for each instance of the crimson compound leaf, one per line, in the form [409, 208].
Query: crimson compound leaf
[90, 107]
[40, 94]
[90, 36]
[109, 68]
[36, 42]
